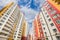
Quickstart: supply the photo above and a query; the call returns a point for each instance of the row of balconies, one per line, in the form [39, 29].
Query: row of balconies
[49, 28]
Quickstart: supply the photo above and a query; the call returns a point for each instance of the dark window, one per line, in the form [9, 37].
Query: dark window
[58, 15]
[53, 12]
[14, 36]
[52, 24]
[44, 10]
[54, 30]
[6, 15]
[51, 8]
[4, 18]
[44, 28]
[0, 24]
[47, 16]
[45, 33]
[54, 16]
[58, 37]
[58, 21]
[40, 18]
[46, 38]
[2, 14]
[45, 13]
[3, 34]
[43, 24]
[5, 30]
[7, 26]
[49, 19]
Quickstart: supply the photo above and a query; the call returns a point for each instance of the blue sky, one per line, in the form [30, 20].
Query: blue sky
[34, 4]
[29, 7]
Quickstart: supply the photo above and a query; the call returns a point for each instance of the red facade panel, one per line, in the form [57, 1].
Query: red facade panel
[54, 14]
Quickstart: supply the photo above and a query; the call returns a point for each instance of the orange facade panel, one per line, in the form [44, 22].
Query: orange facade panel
[55, 4]
[35, 27]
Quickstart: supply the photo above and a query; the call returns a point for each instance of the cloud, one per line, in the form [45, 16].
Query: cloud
[29, 14]
[5, 2]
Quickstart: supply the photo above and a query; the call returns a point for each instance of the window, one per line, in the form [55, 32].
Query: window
[52, 24]
[1, 33]
[51, 8]
[44, 28]
[46, 38]
[6, 15]
[14, 36]
[47, 5]
[5, 30]
[58, 37]
[7, 26]
[54, 30]
[55, 16]
[2, 14]
[58, 21]
[41, 18]
[0, 24]
[2, 20]
[58, 15]
[53, 12]
[45, 33]
[45, 13]
[49, 19]
[47, 16]
[43, 24]
[44, 10]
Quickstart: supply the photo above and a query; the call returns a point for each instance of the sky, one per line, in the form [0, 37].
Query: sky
[4, 2]
[29, 8]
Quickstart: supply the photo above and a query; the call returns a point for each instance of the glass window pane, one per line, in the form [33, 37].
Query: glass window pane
[55, 16]
[49, 19]
[58, 37]
[58, 21]
[52, 24]
[53, 12]
[58, 15]
[54, 30]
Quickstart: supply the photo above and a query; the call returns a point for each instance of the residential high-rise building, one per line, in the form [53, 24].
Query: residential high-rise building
[11, 21]
[24, 30]
[49, 20]
[36, 28]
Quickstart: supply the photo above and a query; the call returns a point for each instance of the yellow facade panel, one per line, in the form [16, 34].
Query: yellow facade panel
[13, 30]
[24, 28]
[5, 8]
[55, 4]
